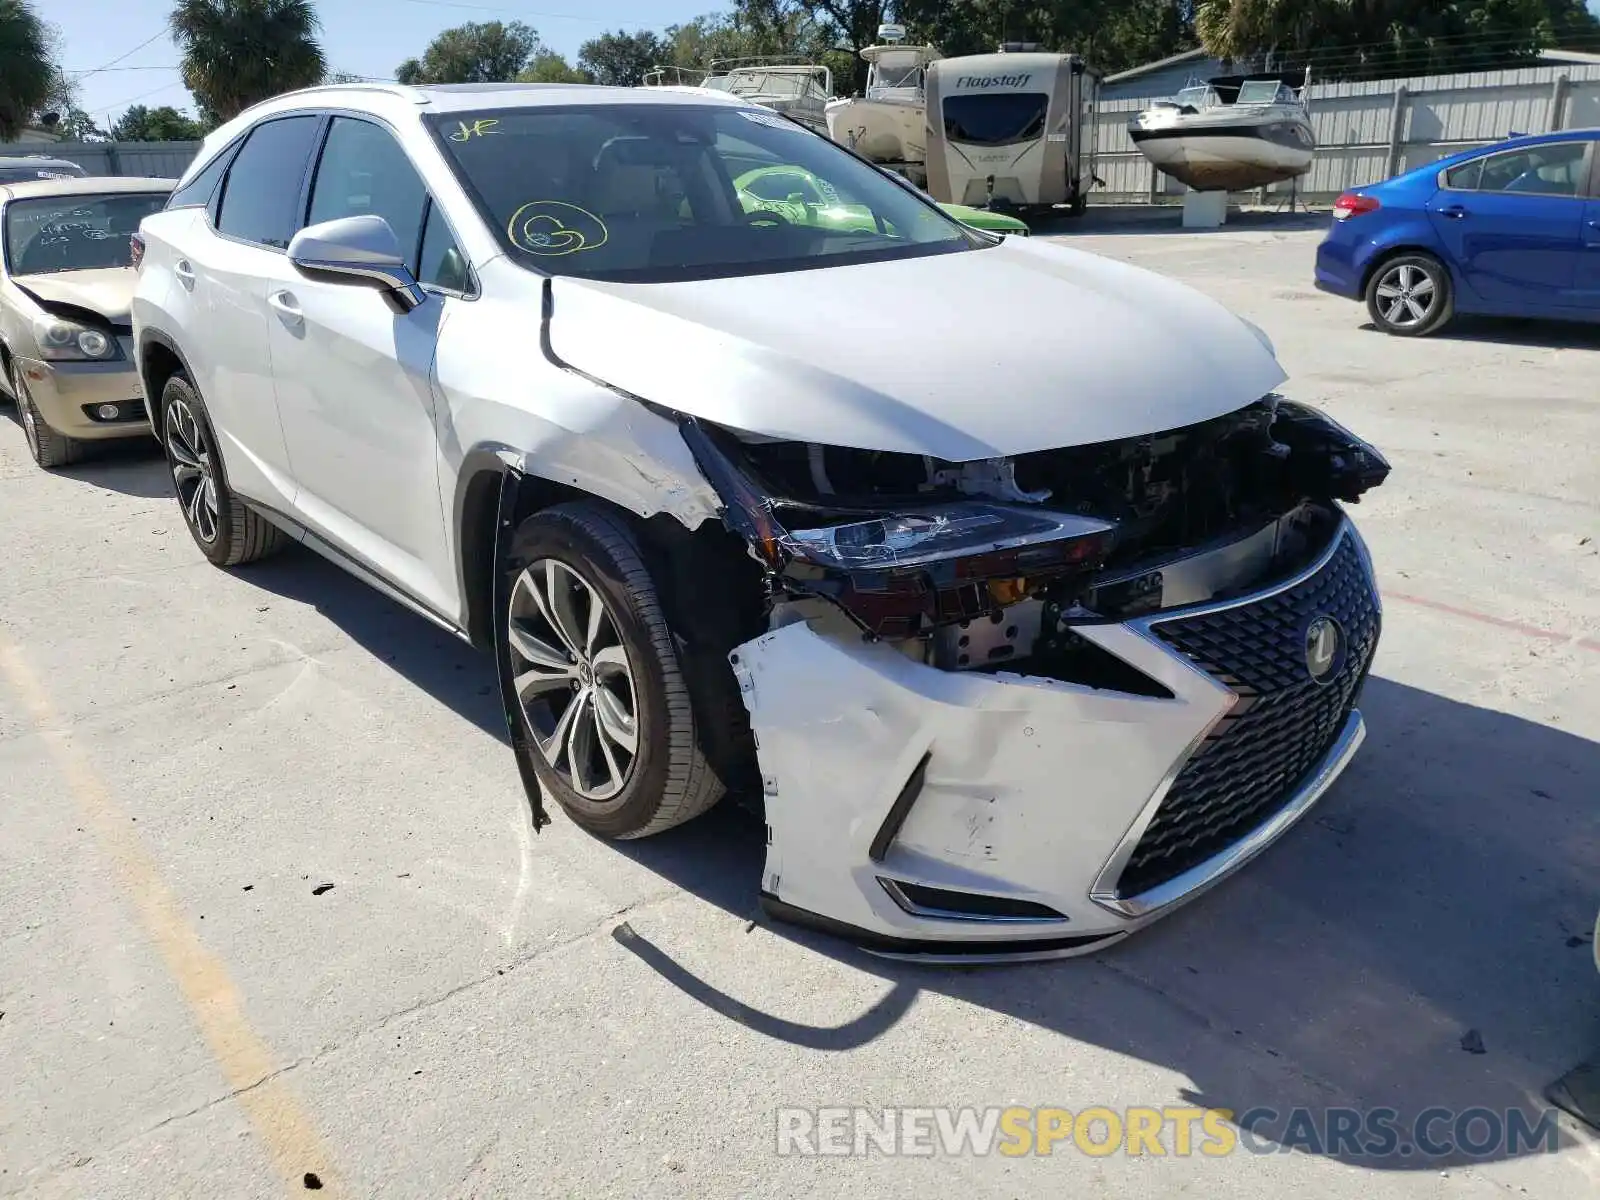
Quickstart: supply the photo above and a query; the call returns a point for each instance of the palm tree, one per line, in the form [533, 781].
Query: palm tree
[239, 52]
[27, 76]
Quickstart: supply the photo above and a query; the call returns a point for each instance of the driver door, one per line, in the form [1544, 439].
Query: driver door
[354, 378]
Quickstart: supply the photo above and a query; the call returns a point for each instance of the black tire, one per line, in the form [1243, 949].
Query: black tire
[1408, 281]
[49, 448]
[668, 779]
[233, 533]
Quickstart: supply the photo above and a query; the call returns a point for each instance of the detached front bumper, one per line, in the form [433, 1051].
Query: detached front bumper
[961, 816]
[70, 394]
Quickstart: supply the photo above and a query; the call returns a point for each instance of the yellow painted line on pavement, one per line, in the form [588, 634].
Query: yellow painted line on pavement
[280, 1123]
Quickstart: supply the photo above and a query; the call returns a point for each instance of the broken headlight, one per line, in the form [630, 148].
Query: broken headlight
[900, 569]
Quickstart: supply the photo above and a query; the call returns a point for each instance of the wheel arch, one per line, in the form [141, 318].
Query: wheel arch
[475, 517]
[159, 360]
[1398, 250]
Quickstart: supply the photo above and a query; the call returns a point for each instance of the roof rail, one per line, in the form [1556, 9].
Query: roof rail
[398, 90]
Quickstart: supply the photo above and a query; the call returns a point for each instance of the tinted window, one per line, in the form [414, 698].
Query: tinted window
[364, 171]
[75, 233]
[1556, 169]
[653, 192]
[262, 192]
[997, 119]
[443, 264]
[198, 190]
[1464, 178]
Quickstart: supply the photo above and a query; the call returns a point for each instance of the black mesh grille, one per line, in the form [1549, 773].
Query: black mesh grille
[1282, 725]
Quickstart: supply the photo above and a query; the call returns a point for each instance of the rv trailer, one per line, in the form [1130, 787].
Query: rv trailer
[1011, 130]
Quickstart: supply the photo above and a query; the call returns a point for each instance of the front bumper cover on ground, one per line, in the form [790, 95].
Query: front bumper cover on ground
[1068, 816]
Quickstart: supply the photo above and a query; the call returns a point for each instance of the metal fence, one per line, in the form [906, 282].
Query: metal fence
[151, 160]
[1369, 131]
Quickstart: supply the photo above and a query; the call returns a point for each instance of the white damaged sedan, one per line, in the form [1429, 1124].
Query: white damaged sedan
[998, 575]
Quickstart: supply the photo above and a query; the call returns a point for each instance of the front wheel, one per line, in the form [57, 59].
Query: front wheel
[49, 448]
[1410, 296]
[595, 669]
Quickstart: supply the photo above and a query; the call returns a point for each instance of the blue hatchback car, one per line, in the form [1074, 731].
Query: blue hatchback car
[1509, 230]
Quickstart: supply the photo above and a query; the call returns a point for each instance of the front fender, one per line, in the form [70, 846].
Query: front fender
[516, 724]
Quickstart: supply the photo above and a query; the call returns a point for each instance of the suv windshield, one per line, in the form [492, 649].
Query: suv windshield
[652, 192]
[75, 233]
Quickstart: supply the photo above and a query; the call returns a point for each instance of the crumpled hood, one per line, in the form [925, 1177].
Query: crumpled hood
[1019, 347]
[108, 291]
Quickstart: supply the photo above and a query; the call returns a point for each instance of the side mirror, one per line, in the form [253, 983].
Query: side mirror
[360, 250]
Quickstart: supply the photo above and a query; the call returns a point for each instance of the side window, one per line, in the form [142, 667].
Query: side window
[262, 191]
[443, 264]
[1555, 169]
[1464, 177]
[364, 170]
[198, 191]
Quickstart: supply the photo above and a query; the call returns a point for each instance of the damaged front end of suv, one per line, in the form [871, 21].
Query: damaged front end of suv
[1020, 706]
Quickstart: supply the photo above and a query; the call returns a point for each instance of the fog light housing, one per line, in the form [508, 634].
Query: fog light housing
[109, 412]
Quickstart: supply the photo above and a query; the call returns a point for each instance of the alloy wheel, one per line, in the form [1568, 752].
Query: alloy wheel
[190, 455]
[573, 679]
[1406, 295]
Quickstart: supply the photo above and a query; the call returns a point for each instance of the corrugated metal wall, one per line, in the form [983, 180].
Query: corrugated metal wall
[151, 160]
[1371, 130]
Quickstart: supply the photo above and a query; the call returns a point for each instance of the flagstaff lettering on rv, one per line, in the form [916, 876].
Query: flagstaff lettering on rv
[994, 81]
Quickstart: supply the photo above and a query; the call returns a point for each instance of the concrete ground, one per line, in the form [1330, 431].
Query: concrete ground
[272, 906]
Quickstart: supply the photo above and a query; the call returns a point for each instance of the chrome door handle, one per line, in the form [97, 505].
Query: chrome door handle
[1455, 212]
[184, 272]
[283, 303]
[1594, 224]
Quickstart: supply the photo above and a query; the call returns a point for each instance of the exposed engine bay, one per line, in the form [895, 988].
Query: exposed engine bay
[989, 564]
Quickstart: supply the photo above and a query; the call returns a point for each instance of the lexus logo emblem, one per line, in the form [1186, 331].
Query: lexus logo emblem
[1324, 648]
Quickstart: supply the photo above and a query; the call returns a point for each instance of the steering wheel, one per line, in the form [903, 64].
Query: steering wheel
[765, 216]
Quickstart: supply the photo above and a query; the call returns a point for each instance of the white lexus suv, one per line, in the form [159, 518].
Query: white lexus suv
[997, 575]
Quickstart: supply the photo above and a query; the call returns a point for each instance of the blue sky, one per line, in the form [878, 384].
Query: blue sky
[366, 37]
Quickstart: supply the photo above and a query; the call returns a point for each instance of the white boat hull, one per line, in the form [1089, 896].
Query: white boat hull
[881, 130]
[1226, 152]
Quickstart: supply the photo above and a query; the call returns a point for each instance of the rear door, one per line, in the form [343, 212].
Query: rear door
[1513, 223]
[227, 268]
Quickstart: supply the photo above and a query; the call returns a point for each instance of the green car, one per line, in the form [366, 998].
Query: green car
[982, 218]
[796, 195]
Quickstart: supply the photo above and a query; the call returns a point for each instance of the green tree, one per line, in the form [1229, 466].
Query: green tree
[547, 66]
[164, 124]
[76, 125]
[28, 75]
[1386, 38]
[239, 52]
[621, 58]
[851, 25]
[1111, 35]
[486, 52]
